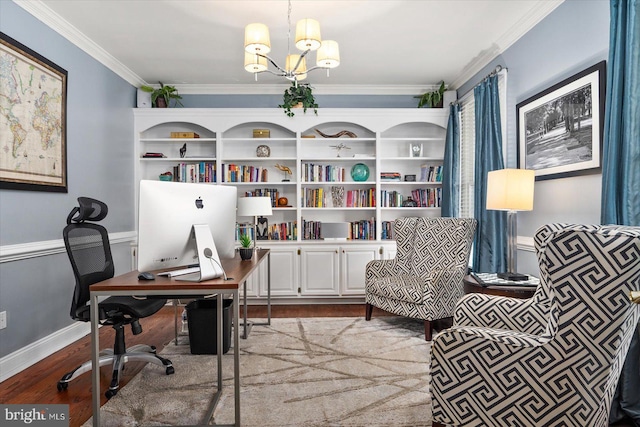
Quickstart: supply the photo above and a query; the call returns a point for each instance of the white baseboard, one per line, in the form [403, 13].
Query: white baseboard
[33, 353]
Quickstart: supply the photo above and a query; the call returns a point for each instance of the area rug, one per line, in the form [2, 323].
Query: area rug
[297, 372]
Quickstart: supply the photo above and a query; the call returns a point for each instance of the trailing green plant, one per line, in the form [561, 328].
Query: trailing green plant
[298, 93]
[245, 241]
[165, 92]
[432, 99]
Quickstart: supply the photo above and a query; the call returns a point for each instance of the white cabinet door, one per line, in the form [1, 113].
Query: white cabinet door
[353, 260]
[320, 270]
[389, 251]
[284, 273]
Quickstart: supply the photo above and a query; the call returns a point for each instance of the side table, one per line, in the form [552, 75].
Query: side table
[471, 285]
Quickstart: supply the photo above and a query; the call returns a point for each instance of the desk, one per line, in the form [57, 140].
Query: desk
[127, 285]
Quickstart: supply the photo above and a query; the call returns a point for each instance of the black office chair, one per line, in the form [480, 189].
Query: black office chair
[90, 255]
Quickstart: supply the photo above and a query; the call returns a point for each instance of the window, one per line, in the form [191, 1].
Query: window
[468, 143]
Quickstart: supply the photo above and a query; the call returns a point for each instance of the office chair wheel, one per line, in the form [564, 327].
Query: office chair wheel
[110, 393]
[170, 370]
[62, 386]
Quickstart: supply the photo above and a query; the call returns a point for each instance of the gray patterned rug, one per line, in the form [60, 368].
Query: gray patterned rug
[296, 372]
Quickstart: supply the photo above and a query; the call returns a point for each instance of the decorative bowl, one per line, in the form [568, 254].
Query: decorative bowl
[360, 172]
[166, 177]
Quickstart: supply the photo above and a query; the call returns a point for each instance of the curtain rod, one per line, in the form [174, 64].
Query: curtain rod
[498, 70]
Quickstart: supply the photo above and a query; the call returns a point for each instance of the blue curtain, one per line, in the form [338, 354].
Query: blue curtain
[621, 151]
[450, 205]
[621, 168]
[489, 253]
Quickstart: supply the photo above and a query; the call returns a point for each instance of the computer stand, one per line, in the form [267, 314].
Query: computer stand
[210, 267]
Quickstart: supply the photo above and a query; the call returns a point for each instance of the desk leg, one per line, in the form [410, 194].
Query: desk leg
[95, 364]
[247, 327]
[236, 359]
[219, 328]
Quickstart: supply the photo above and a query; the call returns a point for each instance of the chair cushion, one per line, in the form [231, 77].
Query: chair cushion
[401, 288]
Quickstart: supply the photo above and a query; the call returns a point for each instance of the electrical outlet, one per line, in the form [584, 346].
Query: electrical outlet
[3, 319]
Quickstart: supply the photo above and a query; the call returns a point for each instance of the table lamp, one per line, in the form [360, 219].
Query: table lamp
[255, 207]
[511, 190]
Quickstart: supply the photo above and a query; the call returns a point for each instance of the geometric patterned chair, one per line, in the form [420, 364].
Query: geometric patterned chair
[564, 375]
[424, 280]
[524, 315]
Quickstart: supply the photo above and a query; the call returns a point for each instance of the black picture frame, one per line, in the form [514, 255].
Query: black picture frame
[560, 129]
[33, 129]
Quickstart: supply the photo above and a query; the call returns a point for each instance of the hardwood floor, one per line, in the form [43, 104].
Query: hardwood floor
[37, 384]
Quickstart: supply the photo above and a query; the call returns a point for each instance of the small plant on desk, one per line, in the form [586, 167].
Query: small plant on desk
[246, 251]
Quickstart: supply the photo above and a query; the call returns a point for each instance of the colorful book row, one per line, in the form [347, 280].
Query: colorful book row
[242, 173]
[430, 173]
[319, 173]
[358, 230]
[194, 172]
[424, 198]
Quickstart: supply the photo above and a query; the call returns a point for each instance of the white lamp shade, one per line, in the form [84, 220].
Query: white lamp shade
[328, 56]
[510, 189]
[254, 206]
[291, 62]
[254, 63]
[256, 39]
[308, 34]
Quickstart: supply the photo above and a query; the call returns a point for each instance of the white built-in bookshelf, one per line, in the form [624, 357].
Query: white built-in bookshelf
[320, 188]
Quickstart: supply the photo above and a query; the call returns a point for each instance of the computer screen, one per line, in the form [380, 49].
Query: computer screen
[167, 212]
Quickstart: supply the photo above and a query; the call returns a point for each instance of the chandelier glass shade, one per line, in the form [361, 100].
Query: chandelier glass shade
[257, 45]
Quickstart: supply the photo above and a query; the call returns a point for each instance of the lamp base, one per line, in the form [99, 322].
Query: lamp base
[513, 277]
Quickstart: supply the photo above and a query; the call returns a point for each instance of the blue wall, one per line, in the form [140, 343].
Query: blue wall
[36, 292]
[572, 38]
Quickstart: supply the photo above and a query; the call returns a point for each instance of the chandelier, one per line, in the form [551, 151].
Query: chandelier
[257, 45]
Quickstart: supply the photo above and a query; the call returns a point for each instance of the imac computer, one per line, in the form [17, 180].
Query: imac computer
[186, 225]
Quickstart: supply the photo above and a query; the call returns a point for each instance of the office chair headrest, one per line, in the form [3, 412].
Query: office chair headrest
[89, 209]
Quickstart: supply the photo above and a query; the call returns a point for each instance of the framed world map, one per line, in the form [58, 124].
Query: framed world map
[33, 108]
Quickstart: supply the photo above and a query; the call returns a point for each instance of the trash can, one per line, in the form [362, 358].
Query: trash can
[203, 320]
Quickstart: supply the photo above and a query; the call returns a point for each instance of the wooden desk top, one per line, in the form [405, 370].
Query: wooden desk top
[237, 271]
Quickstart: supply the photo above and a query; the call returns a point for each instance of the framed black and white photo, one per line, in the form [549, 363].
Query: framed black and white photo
[560, 128]
[32, 120]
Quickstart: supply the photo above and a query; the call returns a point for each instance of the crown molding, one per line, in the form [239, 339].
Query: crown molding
[519, 29]
[318, 89]
[50, 18]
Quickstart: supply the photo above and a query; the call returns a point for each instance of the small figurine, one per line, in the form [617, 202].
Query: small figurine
[183, 150]
[339, 147]
[286, 171]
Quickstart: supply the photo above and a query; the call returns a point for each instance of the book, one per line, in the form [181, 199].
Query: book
[152, 155]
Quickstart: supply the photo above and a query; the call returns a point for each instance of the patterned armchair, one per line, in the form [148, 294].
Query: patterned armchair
[505, 373]
[424, 280]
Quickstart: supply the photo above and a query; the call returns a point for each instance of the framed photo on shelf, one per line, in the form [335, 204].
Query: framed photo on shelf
[33, 122]
[415, 150]
[560, 129]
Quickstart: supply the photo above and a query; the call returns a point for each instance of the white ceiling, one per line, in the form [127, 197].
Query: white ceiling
[400, 46]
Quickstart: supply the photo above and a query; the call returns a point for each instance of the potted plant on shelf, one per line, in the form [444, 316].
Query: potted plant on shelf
[161, 97]
[246, 251]
[432, 99]
[298, 93]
